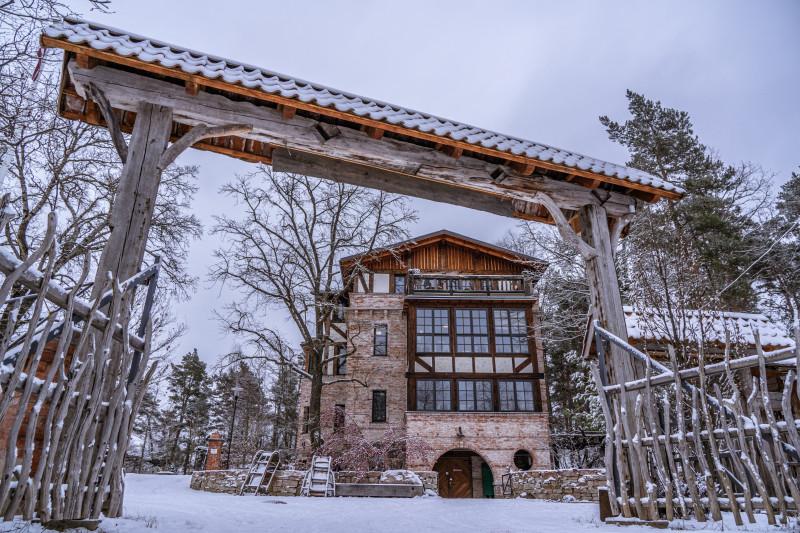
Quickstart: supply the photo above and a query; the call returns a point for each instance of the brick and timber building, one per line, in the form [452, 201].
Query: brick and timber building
[440, 332]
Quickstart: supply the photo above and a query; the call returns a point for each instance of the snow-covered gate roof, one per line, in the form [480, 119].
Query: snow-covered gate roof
[454, 138]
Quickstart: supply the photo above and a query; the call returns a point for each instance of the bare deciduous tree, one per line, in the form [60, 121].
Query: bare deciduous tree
[283, 253]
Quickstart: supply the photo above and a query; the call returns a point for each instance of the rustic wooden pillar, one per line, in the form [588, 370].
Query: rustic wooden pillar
[604, 295]
[135, 201]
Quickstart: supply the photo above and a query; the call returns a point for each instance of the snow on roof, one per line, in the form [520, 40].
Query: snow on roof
[101, 37]
[647, 325]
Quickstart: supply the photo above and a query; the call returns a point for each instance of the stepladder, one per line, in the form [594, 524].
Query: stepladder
[261, 473]
[319, 480]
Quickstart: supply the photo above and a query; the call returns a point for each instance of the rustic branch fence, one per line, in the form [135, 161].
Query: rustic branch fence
[701, 440]
[71, 381]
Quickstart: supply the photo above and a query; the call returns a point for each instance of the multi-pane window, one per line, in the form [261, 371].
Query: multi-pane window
[380, 341]
[379, 406]
[433, 395]
[399, 283]
[472, 331]
[515, 395]
[510, 331]
[433, 331]
[474, 395]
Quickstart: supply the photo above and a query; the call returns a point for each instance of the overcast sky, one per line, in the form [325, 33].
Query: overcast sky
[543, 71]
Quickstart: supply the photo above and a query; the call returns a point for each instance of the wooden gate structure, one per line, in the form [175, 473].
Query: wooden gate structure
[161, 93]
[703, 439]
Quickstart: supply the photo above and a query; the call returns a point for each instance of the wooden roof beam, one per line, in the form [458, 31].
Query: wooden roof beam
[374, 133]
[111, 58]
[192, 87]
[127, 90]
[287, 111]
[524, 169]
[452, 151]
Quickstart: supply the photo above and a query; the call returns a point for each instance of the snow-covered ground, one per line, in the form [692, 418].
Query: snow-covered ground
[166, 503]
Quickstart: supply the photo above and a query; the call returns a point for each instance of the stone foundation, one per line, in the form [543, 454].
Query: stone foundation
[556, 484]
[290, 482]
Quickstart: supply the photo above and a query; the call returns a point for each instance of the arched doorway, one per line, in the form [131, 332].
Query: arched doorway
[464, 474]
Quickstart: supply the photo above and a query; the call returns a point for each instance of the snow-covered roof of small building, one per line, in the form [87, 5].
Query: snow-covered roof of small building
[648, 325]
[128, 45]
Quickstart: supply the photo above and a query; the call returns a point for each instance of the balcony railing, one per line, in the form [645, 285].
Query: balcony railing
[465, 285]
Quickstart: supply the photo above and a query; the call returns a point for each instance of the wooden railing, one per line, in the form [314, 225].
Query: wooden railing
[681, 443]
[466, 285]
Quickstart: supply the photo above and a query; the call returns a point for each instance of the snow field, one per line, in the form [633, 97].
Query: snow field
[166, 503]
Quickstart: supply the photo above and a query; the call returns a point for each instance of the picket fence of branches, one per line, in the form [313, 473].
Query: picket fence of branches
[72, 378]
[695, 442]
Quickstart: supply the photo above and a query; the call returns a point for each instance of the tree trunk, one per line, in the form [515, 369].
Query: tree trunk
[314, 408]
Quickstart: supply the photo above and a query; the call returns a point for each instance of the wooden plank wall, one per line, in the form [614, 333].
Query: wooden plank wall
[446, 257]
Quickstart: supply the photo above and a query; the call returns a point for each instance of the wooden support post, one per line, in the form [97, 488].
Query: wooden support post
[604, 295]
[135, 200]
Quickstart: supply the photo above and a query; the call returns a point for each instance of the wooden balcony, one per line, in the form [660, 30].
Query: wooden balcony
[468, 286]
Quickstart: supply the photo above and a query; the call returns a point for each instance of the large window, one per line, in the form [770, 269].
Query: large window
[472, 331]
[379, 406]
[433, 395]
[510, 331]
[515, 395]
[475, 395]
[380, 343]
[433, 331]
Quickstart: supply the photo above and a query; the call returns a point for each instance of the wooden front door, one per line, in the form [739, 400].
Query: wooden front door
[455, 477]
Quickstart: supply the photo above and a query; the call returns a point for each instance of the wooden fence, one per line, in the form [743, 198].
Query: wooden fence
[71, 381]
[701, 440]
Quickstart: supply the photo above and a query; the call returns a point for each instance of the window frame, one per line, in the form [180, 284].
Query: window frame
[404, 277]
[436, 392]
[516, 396]
[474, 400]
[339, 419]
[384, 344]
[497, 319]
[472, 325]
[375, 394]
[433, 335]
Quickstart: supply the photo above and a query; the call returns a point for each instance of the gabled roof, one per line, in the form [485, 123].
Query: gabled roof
[711, 325]
[455, 238]
[165, 59]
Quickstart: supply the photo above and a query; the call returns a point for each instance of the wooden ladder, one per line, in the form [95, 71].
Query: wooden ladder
[319, 480]
[264, 466]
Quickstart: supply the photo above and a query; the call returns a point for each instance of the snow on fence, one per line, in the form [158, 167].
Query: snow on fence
[695, 441]
[71, 381]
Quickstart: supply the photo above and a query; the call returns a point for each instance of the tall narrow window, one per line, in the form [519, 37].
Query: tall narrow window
[510, 331]
[341, 363]
[472, 331]
[400, 283]
[433, 395]
[305, 420]
[338, 416]
[379, 406]
[433, 331]
[474, 395]
[380, 342]
[515, 395]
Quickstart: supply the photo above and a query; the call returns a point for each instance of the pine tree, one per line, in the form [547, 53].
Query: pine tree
[188, 387]
[285, 396]
[253, 414]
[686, 255]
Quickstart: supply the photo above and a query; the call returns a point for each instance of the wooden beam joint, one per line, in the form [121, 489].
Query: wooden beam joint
[524, 169]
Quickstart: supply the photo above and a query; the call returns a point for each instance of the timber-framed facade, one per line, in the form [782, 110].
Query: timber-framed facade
[445, 348]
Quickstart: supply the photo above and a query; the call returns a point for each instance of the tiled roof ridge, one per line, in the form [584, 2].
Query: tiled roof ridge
[102, 37]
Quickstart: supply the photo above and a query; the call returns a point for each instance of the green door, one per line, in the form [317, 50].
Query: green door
[488, 481]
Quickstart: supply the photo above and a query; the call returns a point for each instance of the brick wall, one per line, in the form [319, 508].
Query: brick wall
[494, 436]
[556, 484]
[290, 482]
[385, 373]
